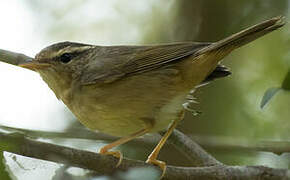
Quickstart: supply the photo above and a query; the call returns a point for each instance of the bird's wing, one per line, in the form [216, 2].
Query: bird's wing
[118, 61]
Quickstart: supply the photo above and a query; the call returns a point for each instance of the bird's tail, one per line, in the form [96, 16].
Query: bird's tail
[248, 35]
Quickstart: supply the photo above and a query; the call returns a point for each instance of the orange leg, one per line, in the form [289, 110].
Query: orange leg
[152, 158]
[118, 154]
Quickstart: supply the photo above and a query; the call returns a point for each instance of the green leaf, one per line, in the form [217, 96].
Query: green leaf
[4, 175]
[286, 82]
[268, 96]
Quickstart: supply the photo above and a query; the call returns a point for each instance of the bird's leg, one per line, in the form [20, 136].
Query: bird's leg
[152, 158]
[118, 154]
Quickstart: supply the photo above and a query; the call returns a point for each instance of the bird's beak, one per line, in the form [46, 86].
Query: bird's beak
[34, 65]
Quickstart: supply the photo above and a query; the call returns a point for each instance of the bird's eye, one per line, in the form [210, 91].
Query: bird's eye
[65, 58]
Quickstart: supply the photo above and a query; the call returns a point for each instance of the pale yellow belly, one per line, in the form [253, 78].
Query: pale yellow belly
[131, 105]
[124, 122]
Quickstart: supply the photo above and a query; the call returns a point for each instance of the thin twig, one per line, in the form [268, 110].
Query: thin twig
[230, 144]
[13, 58]
[193, 151]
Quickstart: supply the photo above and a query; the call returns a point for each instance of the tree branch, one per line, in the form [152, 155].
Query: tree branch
[193, 151]
[216, 143]
[185, 145]
[229, 144]
[19, 144]
[13, 58]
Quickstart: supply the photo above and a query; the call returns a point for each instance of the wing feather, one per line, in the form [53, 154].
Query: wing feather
[113, 62]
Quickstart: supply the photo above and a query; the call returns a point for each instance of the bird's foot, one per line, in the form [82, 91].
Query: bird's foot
[161, 164]
[116, 154]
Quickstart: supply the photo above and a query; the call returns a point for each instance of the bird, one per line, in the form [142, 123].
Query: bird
[129, 91]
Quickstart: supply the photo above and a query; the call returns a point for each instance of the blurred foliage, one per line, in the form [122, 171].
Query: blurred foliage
[274, 90]
[142, 173]
[5, 172]
[4, 175]
[131, 174]
[63, 173]
[286, 82]
[269, 95]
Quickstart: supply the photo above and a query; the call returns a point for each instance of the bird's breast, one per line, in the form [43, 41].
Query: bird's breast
[149, 100]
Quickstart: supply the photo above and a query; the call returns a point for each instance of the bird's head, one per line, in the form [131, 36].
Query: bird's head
[60, 63]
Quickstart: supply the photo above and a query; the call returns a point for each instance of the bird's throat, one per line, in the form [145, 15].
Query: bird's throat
[60, 84]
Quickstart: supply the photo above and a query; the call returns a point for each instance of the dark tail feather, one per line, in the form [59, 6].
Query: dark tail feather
[219, 72]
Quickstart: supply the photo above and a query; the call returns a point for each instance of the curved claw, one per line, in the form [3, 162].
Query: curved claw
[116, 154]
[161, 164]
